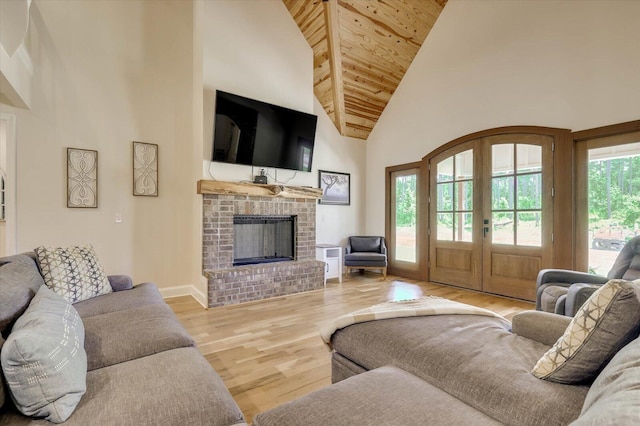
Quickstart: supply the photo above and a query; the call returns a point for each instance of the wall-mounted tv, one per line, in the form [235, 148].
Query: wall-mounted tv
[259, 134]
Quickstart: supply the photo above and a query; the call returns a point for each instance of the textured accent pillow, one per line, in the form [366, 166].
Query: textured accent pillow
[43, 359]
[73, 272]
[606, 322]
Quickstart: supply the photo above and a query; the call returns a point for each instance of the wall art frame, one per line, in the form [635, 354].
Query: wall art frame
[145, 169]
[336, 188]
[82, 178]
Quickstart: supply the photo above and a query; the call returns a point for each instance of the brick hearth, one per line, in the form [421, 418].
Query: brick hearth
[229, 284]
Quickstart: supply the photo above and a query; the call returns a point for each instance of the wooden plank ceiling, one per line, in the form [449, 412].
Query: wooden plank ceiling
[361, 51]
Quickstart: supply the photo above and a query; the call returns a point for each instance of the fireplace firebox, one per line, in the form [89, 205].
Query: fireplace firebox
[263, 239]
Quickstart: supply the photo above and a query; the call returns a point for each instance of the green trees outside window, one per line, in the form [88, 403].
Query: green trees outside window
[614, 192]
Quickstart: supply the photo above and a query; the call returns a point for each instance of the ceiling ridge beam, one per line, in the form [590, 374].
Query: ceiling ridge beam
[335, 61]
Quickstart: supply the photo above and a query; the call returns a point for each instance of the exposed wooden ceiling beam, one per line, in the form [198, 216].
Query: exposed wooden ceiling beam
[335, 61]
[361, 51]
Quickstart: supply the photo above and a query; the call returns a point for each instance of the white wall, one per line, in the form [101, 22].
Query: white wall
[255, 49]
[339, 154]
[107, 73]
[491, 63]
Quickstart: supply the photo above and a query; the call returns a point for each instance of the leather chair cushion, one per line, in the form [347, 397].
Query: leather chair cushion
[365, 244]
[365, 259]
[633, 273]
[550, 296]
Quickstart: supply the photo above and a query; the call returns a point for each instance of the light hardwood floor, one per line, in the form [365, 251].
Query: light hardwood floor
[269, 352]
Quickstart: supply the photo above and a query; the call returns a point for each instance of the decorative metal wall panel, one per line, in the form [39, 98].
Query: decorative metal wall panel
[82, 178]
[145, 169]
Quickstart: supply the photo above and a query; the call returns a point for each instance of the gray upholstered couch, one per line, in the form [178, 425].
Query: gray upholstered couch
[460, 369]
[143, 367]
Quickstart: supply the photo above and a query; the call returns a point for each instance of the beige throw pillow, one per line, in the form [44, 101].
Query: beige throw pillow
[73, 272]
[606, 322]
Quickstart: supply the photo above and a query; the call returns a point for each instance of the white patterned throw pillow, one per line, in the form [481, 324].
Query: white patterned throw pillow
[73, 272]
[606, 322]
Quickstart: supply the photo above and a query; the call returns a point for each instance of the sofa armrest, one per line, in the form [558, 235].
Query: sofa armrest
[543, 327]
[347, 248]
[577, 295]
[383, 247]
[561, 304]
[120, 282]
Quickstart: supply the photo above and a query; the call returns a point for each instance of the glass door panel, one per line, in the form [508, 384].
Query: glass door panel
[463, 226]
[613, 202]
[516, 194]
[404, 188]
[454, 197]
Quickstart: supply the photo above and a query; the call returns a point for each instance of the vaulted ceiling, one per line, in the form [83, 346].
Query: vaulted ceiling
[361, 51]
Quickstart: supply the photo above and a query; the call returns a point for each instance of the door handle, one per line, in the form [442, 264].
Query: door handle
[485, 230]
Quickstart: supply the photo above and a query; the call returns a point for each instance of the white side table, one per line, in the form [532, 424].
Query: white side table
[331, 255]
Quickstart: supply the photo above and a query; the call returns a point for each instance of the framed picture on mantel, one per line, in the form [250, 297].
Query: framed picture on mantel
[336, 188]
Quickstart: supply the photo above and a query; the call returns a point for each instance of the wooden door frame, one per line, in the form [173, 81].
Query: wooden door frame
[393, 267]
[605, 136]
[563, 219]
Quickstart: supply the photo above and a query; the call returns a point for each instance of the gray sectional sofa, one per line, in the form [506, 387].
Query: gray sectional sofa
[460, 369]
[142, 366]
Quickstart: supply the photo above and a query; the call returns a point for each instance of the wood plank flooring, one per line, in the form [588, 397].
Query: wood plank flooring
[269, 352]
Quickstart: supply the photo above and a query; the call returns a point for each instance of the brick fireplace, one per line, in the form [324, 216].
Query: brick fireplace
[228, 284]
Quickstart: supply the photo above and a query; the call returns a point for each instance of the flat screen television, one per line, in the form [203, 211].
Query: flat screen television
[247, 131]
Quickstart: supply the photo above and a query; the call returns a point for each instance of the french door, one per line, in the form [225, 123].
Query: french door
[490, 213]
[455, 219]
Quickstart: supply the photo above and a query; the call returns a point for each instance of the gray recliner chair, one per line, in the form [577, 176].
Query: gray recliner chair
[366, 253]
[562, 291]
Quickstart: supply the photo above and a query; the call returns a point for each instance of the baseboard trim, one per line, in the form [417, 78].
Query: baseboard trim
[185, 290]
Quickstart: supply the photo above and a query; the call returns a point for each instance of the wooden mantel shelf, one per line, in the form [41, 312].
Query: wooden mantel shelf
[257, 190]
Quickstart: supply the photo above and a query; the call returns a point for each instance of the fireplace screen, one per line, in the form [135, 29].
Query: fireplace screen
[263, 239]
